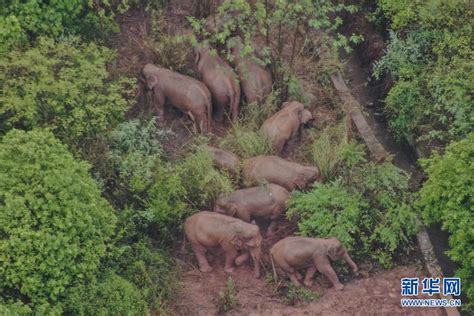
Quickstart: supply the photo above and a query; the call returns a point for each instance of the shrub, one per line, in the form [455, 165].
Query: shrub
[134, 151]
[328, 210]
[38, 18]
[64, 86]
[151, 271]
[111, 296]
[173, 52]
[293, 294]
[165, 207]
[54, 224]
[430, 58]
[447, 197]
[202, 181]
[367, 209]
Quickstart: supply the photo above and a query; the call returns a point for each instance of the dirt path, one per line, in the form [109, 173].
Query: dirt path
[378, 294]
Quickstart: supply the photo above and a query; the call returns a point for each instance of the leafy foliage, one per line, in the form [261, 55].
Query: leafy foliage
[430, 57]
[293, 294]
[64, 86]
[111, 296]
[33, 18]
[367, 209]
[447, 197]
[54, 224]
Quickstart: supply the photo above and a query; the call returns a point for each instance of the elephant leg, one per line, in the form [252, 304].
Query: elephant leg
[242, 258]
[294, 278]
[230, 255]
[324, 266]
[219, 112]
[273, 225]
[200, 253]
[299, 276]
[158, 105]
[309, 276]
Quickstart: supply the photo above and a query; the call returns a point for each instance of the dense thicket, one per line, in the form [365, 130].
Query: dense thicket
[430, 57]
[447, 197]
[54, 224]
[63, 85]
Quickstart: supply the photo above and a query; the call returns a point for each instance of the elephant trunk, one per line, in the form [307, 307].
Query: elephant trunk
[256, 255]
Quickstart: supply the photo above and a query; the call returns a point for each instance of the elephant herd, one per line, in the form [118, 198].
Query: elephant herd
[268, 179]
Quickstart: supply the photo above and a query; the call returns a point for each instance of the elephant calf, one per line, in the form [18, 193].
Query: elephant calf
[293, 253]
[209, 229]
[265, 201]
[221, 80]
[273, 169]
[285, 124]
[224, 160]
[187, 94]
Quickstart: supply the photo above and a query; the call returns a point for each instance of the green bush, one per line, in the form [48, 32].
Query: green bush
[111, 296]
[133, 153]
[246, 141]
[430, 57]
[367, 209]
[64, 86]
[447, 197]
[328, 210]
[54, 223]
[151, 271]
[52, 18]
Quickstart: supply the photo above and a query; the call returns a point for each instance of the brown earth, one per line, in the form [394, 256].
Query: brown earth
[373, 291]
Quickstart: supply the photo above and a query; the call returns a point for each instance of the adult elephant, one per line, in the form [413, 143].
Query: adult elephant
[285, 124]
[293, 253]
[255, 80]
[273, 169]
[221, 80]
[187, 94]
[208, 229]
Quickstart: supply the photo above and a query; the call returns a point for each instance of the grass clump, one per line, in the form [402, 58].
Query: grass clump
[227, 299]
[293, 294]
[332, 147]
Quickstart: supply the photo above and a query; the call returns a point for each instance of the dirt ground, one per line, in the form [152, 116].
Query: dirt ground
[378, 294]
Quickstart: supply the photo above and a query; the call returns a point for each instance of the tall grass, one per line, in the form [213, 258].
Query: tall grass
[203, 182]
[245, 139]
[333, 146]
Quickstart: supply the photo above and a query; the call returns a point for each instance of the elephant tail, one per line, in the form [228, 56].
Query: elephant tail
[234, 103]
[209, 115]
[275, 276]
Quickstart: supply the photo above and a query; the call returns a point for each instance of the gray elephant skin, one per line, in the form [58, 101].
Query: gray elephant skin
[273, 169]
[267, 201]
[185, 93]
[255, 80]
[285, 124]
[221, 81]
[293, 253]
[209, 229]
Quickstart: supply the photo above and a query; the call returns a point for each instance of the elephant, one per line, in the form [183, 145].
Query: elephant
[285, 124]
[224, 160]
[263, 201]
[209, 229]
[293, 253]
[273, 169]
[221, 81]
[187, 94]
[255, 80]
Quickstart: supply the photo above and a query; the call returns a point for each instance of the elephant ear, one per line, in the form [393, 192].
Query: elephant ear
[237, 241]
[151, 81]
[333, 251]
[233, 209]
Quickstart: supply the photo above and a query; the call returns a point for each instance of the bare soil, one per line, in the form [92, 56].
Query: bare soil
[373, 291]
